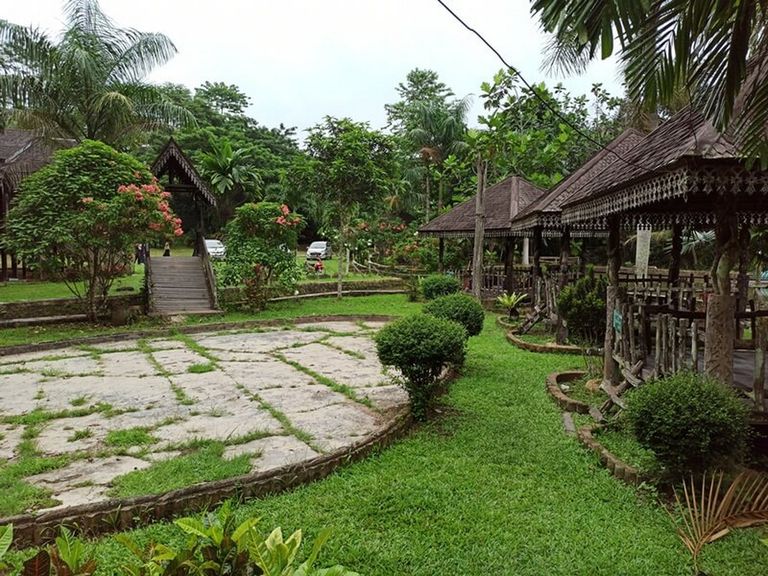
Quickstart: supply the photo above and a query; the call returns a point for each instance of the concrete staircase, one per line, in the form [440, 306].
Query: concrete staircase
[178, 286]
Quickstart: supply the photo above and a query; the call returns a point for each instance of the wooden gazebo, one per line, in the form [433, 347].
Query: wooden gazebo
[684, 174]
[503, 201]
[541, 218]
[22, 152]
[190, 193]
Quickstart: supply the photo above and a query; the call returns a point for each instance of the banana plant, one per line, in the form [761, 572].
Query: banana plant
[6, 538]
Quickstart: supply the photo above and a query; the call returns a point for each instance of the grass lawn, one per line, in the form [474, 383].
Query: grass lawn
[331, 270]
[493, 487]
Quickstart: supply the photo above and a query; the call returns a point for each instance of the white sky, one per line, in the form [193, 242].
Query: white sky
[300, 60]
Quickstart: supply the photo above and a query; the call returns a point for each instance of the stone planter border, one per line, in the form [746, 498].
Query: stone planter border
[550, 348]
[189, 329]
[565, 402]
[123, 514]
[616, 466]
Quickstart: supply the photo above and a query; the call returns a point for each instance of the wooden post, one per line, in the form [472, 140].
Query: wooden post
[509, 264]
[537, 276]
[610, 367]
[720, 326]
[758, 384]
[479, 242]
[677, 249]
[742, 282]
[441, 255]
[565, 253]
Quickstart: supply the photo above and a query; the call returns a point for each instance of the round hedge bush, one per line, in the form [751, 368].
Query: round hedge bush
[461, 308]
[438, 285]
[691, 422]
[420, 346]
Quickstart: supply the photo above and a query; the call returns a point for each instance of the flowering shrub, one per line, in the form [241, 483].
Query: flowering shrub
[261, 244]
[80, 218]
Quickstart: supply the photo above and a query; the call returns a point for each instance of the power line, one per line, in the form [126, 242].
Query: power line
[536, 94]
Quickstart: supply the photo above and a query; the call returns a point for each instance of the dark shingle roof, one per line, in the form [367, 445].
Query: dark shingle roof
[503, 201]
[24, 152]
[545, 211]
[171, 158]
[685, 136]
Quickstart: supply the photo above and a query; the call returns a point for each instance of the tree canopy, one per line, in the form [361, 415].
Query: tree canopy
[90, 83]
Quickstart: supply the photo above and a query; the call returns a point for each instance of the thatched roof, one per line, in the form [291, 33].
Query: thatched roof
[545, 211]
[503, 201]
[182, 174]
[684, 166]
[23, 152]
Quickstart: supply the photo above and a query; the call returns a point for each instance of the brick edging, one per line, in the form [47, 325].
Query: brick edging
[617, 467]
[188, 329]
[543, 348]
[564, 401]
[118, 515]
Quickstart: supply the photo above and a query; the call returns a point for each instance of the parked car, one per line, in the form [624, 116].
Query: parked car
[319, 249]
[215, 248]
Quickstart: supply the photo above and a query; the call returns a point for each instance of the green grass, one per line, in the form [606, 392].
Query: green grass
[129, 437]
[494, 487]
[80, 434]
[203, 465]
[577, 389]
[201, 368]
[331, 270]
[622, 444]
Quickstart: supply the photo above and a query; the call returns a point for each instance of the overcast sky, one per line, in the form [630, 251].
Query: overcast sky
[299, 60]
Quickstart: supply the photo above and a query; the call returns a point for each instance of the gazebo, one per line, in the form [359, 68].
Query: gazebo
[503, 201]
[190, 194]
[541, 218]
[22, 152]
[684, 174]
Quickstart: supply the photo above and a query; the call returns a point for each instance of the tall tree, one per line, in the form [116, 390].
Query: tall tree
[348, 169]
[90, 83]
[420, 87]
[224, 98]
[712, 50]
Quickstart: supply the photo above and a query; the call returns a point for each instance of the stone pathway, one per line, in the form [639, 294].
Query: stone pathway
[280, 396]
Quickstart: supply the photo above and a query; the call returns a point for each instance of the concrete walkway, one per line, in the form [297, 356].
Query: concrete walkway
[280, 396]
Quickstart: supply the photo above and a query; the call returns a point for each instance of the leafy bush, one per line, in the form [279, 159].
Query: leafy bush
[691, 422]
[582, 305]
[461, 308]
[420, 346]
[438, 285]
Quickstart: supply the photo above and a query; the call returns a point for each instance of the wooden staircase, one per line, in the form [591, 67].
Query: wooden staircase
[178, 285]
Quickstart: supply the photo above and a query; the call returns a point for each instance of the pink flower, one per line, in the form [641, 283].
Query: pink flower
[178, 232]
[166, 217]
[285, 210]
[139, 196]
[163, 207]
[155, 226]
[87, 200]
[165, 195]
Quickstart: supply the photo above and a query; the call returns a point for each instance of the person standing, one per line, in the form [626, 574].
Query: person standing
[167, 249]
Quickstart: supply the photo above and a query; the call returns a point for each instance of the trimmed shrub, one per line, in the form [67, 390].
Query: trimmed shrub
[438, 285]
[582, 305]
[461, 308]
[690, 421]
[420, 346]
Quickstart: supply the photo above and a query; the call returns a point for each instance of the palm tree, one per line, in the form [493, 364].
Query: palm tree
[232, 174]
[90, 83]
[712, 50]
[439, 133]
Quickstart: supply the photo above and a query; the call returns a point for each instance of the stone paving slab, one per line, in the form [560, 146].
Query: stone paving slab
[250, 391]
[331, 326]
[338, 366]
[272, 452]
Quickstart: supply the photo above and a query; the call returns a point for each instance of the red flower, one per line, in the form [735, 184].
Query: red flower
[178, 232]
[285, 210]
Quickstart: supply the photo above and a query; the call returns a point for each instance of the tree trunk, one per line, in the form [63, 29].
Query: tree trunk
[479, 241]
[610, 367]
[340, 256]
[509, 264]
[441, 255]
[561, 334]
[440, 191]
[428, 193]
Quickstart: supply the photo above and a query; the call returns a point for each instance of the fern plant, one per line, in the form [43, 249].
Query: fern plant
[511, 302]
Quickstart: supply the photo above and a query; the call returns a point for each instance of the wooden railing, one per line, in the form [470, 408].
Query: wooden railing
[210, 274]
